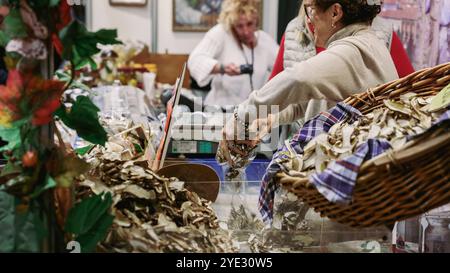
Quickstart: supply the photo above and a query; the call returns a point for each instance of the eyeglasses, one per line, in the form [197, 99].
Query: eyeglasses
[308, 10]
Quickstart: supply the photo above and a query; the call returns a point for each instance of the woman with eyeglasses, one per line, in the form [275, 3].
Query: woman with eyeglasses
[297, 45]
[355, 59]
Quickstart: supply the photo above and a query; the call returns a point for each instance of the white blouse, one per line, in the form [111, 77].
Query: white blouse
[220, 46]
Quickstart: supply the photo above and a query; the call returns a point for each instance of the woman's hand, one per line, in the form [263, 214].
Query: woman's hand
[231, 144]
[259, 129]
[229, 69]
[233, 139]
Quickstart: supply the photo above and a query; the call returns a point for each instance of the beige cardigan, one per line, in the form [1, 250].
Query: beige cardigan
[354, 61]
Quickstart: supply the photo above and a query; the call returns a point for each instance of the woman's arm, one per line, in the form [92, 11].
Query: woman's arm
[203, 63]
[335, 74]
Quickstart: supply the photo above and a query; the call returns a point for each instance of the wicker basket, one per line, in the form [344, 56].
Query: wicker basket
[398, 184]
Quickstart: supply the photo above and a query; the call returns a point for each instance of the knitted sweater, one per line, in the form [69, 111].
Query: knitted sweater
[355, 60]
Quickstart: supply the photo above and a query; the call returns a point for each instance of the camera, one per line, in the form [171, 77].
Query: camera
[247, 69]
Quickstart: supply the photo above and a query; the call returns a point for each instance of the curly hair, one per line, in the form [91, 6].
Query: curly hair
[355, 11]
[232, 9]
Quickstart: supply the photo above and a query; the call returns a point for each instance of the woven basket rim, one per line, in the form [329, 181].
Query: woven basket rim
[394, 155]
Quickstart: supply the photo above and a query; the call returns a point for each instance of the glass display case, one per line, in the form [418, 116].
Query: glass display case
[435, 233]
[295, 228]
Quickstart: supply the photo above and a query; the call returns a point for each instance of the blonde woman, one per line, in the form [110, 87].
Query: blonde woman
[234, 56]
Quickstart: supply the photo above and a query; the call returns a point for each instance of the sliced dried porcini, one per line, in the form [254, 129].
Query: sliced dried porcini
[166, 223]
[374, 132]
[120, 219]
[176, 185]
[96, 187]
[407, 97]
[133, 217]
[397, 107]
[139, 192]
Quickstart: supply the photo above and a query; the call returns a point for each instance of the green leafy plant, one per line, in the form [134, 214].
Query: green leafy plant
[29, 106]
[90, 220]
[80, 44]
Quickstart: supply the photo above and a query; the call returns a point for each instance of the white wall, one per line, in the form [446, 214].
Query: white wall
[134, 23]
[184, 42]
[173, 42]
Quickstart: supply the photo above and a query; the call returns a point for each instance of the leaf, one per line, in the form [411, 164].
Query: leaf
[48, 184]
[83, 217]
[84, 150]
[83, 117]
[65, 77]
[39, 5]
[7, 234]
[89, 220]
[29, 231]
[14, 26]
[4, 39]
[138, 148]
[11, 136]
[54, 3]
[20, 232]
[89, 240]
[80, 44]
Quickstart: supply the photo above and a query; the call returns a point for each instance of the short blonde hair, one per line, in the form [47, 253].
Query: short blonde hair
[232, 9]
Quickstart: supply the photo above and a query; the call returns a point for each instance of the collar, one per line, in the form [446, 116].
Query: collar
[347, 31]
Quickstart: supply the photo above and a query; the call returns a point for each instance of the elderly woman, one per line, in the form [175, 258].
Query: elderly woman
[355, 59]
[234, 42]
[297, 45]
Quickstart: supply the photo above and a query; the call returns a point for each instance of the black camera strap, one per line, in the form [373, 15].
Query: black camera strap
[252, 64]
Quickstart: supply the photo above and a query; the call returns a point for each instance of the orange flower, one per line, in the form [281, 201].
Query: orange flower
[37, 97]
[11, 91]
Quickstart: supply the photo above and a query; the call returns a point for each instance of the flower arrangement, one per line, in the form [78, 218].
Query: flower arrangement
[36, 182]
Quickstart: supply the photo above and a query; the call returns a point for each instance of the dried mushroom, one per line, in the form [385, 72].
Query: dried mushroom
[152, 213]
[394, 122]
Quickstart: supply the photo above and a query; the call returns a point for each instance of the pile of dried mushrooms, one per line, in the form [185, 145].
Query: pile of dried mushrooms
[394, 122]
[152, 213]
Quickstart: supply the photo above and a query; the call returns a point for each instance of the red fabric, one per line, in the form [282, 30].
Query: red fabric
[400, 57]
[398, 54]
[279, 62]
[319, 49]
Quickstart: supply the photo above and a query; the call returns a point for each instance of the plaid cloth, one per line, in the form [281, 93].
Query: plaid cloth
[337, 182]
[314, 127]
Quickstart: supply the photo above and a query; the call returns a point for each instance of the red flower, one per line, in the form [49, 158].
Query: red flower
[10, 94]
[38, 97]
